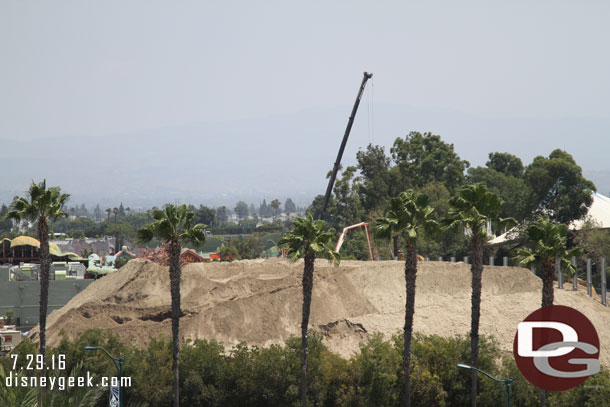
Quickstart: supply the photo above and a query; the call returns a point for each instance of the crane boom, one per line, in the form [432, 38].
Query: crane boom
[350, 122]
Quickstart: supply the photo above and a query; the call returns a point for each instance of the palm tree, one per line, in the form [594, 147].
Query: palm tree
[308, 239]
[546, 241]
[275, 204]
[42, 205]
[174, 226]
[472, 207]
[408, 214]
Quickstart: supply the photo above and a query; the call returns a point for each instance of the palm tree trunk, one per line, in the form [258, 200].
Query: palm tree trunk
[548, 294]
[477, 274]
[45, 265]
[548, 272]
[307, 289]
[174, 279]
[395, 241]
[410, 275]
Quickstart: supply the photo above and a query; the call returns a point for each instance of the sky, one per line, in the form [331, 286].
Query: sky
[104, 68]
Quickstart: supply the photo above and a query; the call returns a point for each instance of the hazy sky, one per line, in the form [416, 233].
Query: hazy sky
[90, 68]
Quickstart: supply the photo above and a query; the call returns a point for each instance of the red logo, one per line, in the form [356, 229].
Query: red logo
[556, 348]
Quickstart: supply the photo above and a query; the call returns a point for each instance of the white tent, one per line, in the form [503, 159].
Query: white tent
[599, 213]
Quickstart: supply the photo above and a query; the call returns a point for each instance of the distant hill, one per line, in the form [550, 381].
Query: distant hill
[273, 157]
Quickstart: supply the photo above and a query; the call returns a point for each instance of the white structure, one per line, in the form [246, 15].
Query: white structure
[599, 214]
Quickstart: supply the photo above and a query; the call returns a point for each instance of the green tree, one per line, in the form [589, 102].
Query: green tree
[376, 185]
[16, 396]
[471, 208]
[514, 191]
[264, 209]
[205, 215]
[505, 163]
[174, 226]
[289, 206]
[546, 241]
[275, 204]
[5, 224]
[410, 215]
[97, 213]
[241, 209]
[42, 205]
[424, 158]
[344, 206]
[308, 239]
[558, 187]
[223, 213]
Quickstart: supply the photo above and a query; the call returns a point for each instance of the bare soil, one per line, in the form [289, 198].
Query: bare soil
[259, 302]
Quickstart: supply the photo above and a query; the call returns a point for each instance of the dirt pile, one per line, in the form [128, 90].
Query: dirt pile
[259, 302]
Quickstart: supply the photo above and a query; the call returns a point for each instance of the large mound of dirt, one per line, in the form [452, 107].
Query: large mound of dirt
[259, 302]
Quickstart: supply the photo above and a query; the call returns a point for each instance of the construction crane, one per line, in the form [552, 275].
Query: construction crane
[350, 122]
[368, 238]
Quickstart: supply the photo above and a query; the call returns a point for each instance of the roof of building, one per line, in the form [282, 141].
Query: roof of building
[53, 248]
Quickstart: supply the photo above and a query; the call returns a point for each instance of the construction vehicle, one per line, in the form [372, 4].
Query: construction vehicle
[368, 238]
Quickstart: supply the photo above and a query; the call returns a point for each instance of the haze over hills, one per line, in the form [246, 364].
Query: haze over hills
[281, 156]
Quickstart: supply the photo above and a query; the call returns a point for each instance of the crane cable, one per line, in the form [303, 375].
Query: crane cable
[370, 95]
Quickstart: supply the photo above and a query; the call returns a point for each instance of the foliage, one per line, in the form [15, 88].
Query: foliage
[275, 205]
[289, 206]
[425, 158]
[558, 188]
[505, 163]
[248, 247]
[592, 239]
[120, 262]
[268, 377]
[9, 317]
[5, 224]
[376, 186]
[173, 221]
[544, 240]
[41, 203]
[307, 236]
[408, 214]
[242, 210]
[472, 207]
[512, 190]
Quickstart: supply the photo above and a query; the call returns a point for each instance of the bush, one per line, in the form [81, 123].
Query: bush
[270, 376]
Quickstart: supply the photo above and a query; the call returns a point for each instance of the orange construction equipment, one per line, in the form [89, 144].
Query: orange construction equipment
[368, 237]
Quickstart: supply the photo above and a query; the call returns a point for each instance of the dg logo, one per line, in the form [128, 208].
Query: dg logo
[556, 348]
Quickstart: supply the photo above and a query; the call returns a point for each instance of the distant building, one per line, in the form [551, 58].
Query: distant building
[26, 249]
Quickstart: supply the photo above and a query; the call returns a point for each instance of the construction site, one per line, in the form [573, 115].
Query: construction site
[259, 302]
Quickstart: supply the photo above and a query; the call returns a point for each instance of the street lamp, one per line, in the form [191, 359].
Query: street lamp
[506, 382]
[118, 363]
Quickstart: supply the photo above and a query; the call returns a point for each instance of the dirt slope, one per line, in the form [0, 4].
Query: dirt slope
[259, 302]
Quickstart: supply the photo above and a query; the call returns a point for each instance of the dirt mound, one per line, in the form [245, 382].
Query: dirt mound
[259, 302]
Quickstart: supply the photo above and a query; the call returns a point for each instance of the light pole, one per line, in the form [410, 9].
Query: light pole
[118, 363]
[506, 382]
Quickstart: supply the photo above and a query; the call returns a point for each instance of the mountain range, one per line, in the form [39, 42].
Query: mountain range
[218, 163]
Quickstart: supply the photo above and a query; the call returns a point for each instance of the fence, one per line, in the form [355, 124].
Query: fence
[584, 268]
